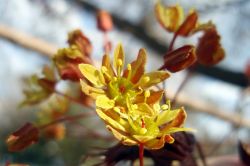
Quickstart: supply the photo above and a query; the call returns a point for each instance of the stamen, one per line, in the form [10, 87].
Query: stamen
[168, 102]
[134, 106]
[140, 92]
[143, 130]
[105, 72]
[129, 67]
[165, 107]
[146, 79]
[120, 112]
[119, 63]
[146, 95]
[129, 71]
[104, 69]
[116, 109]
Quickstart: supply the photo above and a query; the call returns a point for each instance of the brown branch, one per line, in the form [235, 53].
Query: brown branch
[47, 49]
[27, 41]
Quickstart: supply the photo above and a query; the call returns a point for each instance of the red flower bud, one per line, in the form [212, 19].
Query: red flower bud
[77, 38]
[22, 138]
[179, 59]
[104, 21]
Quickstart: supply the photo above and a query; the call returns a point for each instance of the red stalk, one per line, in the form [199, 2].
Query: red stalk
[141, 153]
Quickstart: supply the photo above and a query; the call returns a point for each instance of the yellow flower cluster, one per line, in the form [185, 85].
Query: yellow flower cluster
[124, 100]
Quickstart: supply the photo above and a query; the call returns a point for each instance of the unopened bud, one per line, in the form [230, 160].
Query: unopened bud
[104, 21]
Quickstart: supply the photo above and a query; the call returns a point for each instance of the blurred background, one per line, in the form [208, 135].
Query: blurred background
[211, 91]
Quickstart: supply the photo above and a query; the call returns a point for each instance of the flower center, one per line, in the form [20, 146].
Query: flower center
[119, 89]
[122, 88]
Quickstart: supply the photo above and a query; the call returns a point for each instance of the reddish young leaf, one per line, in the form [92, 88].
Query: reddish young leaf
[104, 21]
[70, 73]
[179, 59]
[22, 138]
[77, 38]
[47, 84]
[188, 25]
[209, 50]
[67, 60]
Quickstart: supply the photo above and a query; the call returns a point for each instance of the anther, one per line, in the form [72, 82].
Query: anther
[164, 107]
[129, 67]
[147, 93]
[146, 79]
[104, 69]
[119, 62]
[116, 109]
[134, 106]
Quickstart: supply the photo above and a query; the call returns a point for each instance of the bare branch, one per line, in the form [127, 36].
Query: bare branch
[27, 41]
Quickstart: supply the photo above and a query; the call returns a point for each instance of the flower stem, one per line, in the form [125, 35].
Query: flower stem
[141, 153]
[170, 48]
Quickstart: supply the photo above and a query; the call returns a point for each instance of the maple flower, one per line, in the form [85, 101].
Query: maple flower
[112, 86]
[142, 124]
[172, 19]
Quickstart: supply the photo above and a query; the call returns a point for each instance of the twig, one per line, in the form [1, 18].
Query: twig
[27, 41]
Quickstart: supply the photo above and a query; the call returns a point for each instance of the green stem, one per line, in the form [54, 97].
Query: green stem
[141, 153]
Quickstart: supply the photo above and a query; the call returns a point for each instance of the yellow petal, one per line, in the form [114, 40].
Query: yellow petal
[156, 143]
[137, 66]
[169, 139]
[107, 64]
[92, 74]
[167, 116]
[143, 138]
[109, 121]
[177, 117]
[104, 102]
[91, 91]
[170, 17]
[125, 138]
[176, 129]
[144, 110]
[154, 97]
[152, 78]
[119, 57]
